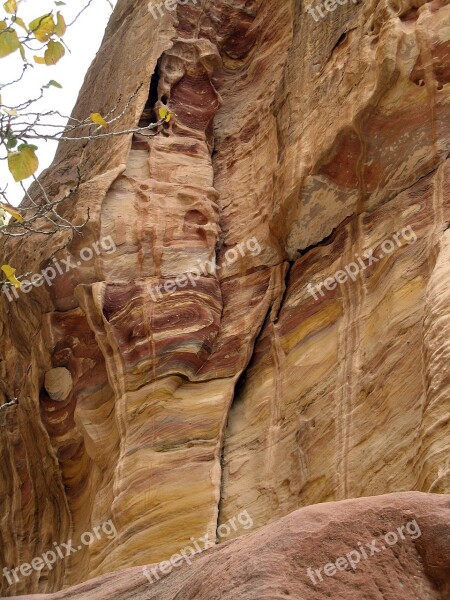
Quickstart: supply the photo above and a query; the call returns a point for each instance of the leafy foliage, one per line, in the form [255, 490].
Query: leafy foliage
[40, 44]
[16, 35]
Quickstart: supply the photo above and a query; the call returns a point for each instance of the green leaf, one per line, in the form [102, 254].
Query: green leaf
[43, 27]
[32, 146]
[11, 143]
[55, 51]
[20, 22]
[9, 42]
[60, 27]
[23, 163]
[52, 83]
[59, 3]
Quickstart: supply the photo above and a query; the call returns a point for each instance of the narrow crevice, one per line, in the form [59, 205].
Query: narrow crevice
[242, 380]
[148, 114]
[341, 40]
[239, 386]
[326, 241]
[287, 276]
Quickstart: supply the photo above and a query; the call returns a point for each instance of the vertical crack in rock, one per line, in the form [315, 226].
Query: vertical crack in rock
[177, 222]
[237, 129]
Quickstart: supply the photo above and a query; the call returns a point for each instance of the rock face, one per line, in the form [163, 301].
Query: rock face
[263, 323]
[394, 546]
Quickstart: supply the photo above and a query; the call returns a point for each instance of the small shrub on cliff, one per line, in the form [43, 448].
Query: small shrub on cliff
[40, 43]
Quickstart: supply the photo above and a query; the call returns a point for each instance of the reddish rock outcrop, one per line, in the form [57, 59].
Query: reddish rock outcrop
[392, 547]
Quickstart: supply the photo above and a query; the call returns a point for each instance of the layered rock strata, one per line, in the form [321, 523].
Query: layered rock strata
[240, 389]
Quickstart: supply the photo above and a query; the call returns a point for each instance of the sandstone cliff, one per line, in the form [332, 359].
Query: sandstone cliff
[297, 148]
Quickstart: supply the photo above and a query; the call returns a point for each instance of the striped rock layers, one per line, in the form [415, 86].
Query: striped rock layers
[184, 404]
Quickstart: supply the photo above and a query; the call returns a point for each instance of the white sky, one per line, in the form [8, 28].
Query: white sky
[83, 39]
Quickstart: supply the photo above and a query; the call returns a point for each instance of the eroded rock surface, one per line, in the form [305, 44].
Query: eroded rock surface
[314, 141]
[403, 543]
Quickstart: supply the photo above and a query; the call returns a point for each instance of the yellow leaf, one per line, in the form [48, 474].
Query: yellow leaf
[60, 27]
[9, 42]
[55, 51]
[10, 112]
[40, 60]
[23, 163]
[10, 275]
[3, 25]
[17, 216]
[43, 28]
[97, 118]
[10, 6]
[164, 114]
